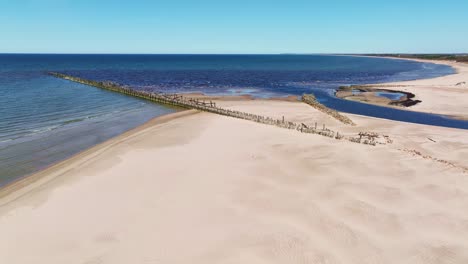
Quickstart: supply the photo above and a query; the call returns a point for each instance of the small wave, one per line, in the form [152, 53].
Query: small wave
[6, 140]
[28, 133]
[42, 130]
[428, 66]
[74, 120]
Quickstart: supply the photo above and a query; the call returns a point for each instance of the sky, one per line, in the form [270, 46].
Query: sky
[239, 26]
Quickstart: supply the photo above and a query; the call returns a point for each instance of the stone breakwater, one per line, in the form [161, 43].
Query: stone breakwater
[312, 101]
[210, 106]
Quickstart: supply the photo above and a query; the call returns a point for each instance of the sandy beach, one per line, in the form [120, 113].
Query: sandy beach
[444, 95]
[195, 187]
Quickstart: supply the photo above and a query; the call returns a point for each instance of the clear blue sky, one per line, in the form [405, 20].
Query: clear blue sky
[238, 26]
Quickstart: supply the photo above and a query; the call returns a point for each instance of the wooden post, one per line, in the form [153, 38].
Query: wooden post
[210, 106]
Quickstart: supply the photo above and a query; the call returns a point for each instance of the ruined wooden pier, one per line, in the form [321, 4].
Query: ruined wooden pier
[210, 106]
[312, 101]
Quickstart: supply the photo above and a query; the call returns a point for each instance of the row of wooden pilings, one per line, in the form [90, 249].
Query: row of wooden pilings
[312, 101]
[191, 103]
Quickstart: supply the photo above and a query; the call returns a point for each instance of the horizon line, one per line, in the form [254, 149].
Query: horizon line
[286, 53]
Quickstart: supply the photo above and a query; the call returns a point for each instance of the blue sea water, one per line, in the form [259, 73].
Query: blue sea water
[391, 96]
[44, 119]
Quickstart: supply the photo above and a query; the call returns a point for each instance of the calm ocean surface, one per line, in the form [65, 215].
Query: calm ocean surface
[44, 120]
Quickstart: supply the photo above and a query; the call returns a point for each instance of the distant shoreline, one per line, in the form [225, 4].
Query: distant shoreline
[437, 94]
[31, 178]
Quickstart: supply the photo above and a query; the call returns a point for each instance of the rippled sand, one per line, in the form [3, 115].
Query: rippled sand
[202, 188]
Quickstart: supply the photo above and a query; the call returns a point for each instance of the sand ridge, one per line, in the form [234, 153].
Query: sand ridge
[205, 188]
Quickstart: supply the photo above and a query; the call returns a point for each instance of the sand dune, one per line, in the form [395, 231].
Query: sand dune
[204, 188]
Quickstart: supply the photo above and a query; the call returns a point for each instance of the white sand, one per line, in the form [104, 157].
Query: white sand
[204, 189]
[441, 95]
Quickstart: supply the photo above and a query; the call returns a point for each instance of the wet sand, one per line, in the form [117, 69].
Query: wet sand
[201, 188]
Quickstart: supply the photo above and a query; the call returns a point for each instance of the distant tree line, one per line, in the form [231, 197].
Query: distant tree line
[450, 57]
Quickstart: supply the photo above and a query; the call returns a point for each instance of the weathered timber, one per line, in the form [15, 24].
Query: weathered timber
[191, 103]
[312, 101]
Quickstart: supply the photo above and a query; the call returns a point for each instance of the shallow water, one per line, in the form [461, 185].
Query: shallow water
[390, 95]
[44, 119]
[276, 75]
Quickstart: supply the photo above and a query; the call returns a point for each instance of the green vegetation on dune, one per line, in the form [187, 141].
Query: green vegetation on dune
[449, 57]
